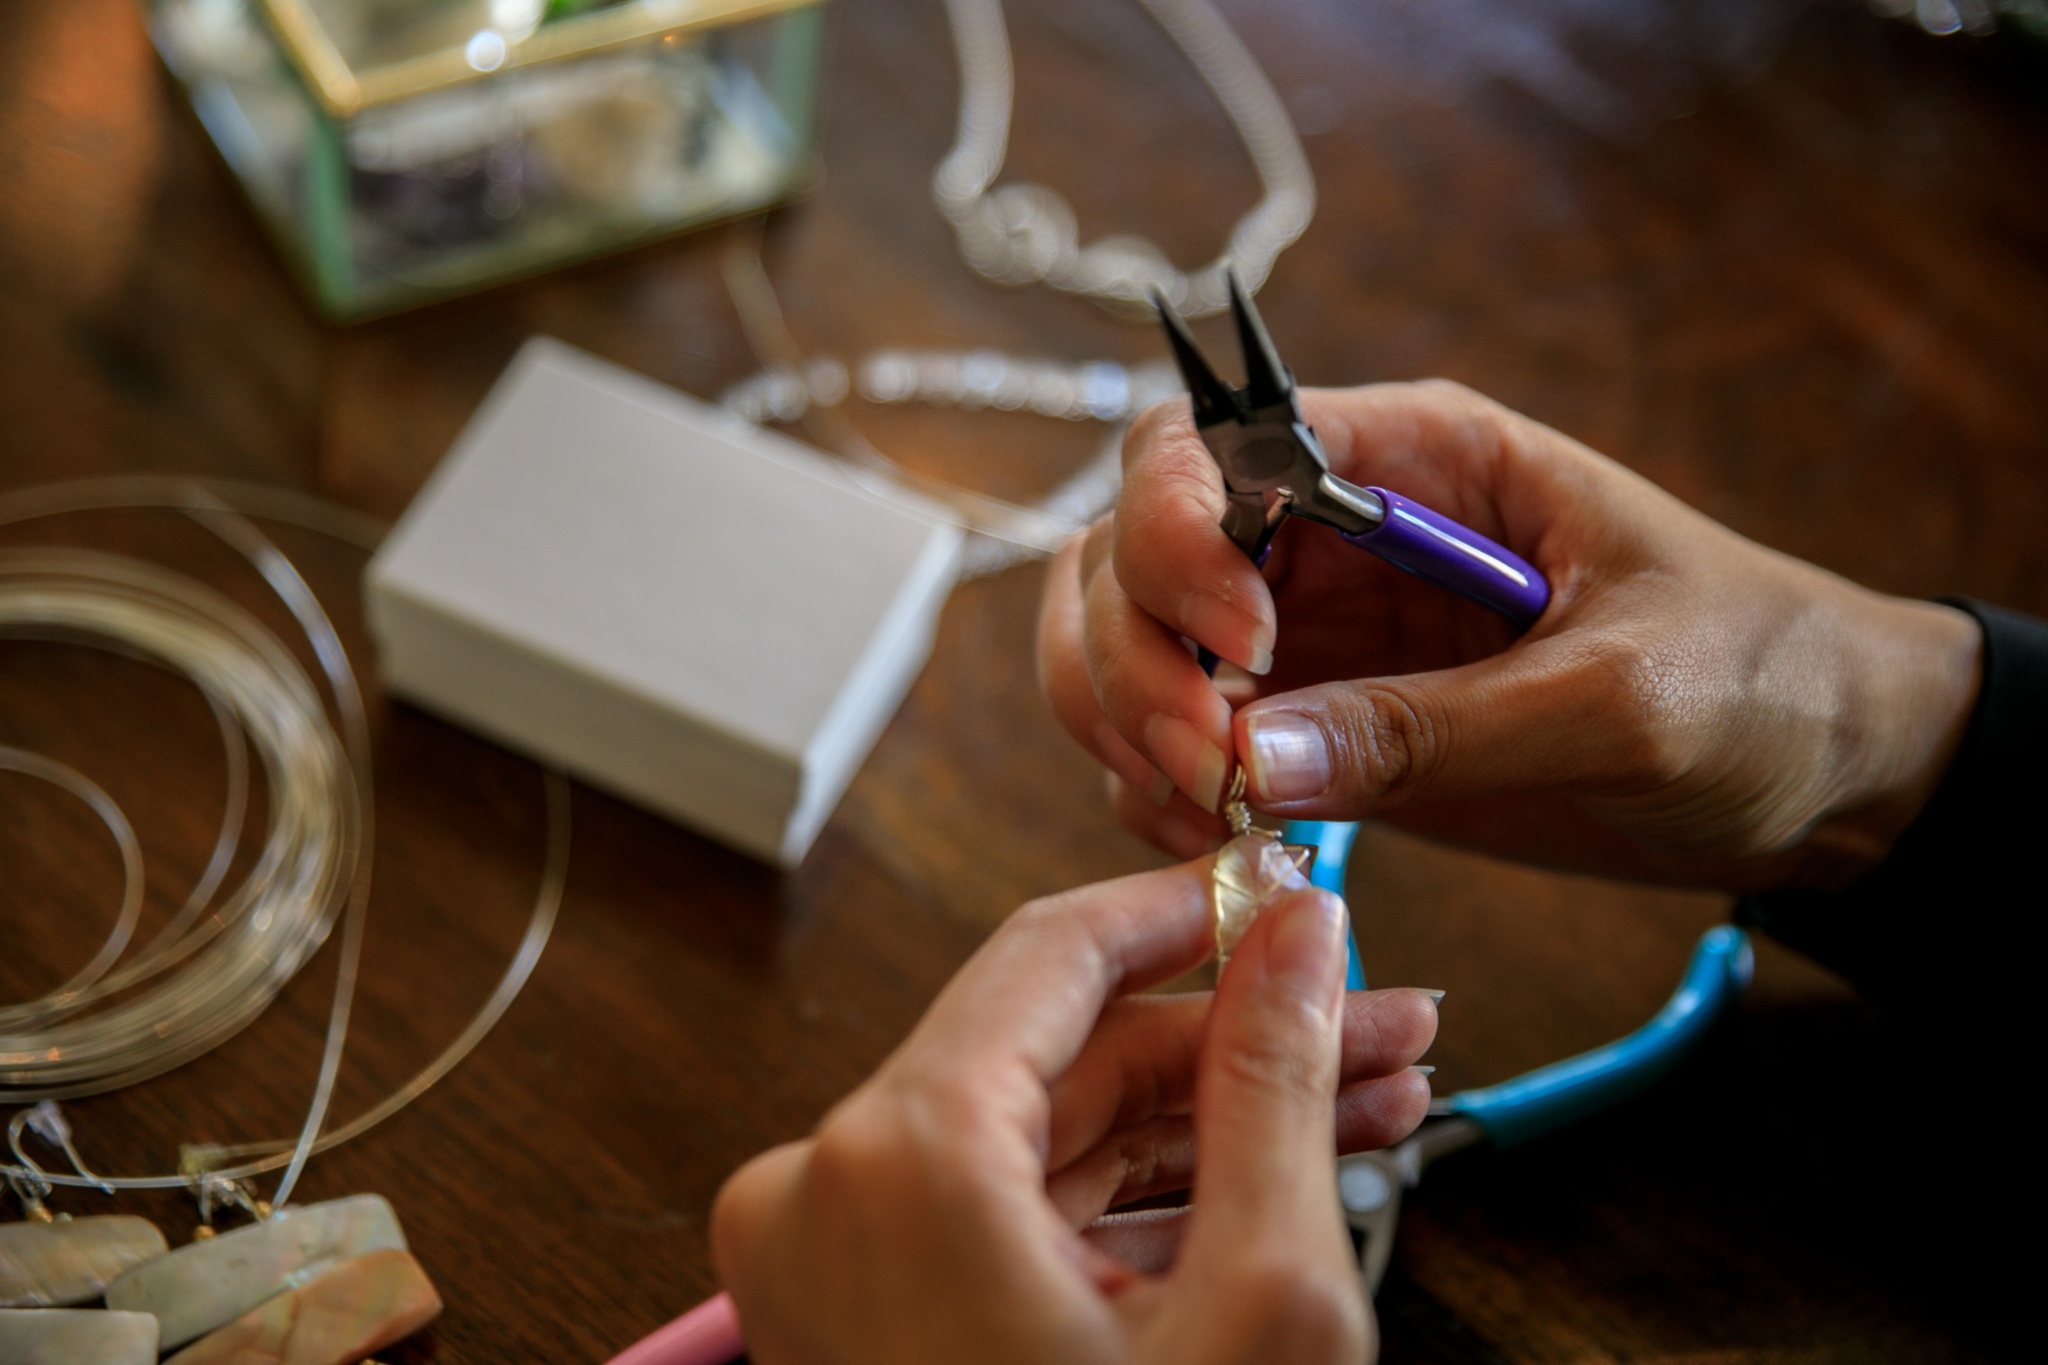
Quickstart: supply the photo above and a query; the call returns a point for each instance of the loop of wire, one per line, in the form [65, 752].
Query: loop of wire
[225, 954]
[213, 968]
[1023, 234]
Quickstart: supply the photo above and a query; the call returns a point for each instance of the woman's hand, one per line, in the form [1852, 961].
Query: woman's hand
[941, 1213]
[1692, 707]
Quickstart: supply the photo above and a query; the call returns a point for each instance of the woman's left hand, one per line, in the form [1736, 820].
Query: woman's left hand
[942, 1212]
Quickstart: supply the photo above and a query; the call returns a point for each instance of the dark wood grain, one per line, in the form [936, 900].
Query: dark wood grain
[1788, 259]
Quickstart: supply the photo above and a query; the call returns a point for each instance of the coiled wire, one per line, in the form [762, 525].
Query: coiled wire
[236, 959]
[221, 959]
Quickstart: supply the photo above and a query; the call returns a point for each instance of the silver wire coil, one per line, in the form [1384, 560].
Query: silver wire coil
[213, 968]
[222, 959]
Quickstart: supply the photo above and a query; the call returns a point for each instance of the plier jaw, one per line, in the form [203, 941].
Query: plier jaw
[1273, 468]
[1272, 464]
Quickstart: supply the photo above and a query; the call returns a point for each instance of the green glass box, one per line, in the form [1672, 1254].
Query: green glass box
[402, 151]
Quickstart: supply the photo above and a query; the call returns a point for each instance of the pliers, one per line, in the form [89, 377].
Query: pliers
[1539, 1102]
[1273, 467]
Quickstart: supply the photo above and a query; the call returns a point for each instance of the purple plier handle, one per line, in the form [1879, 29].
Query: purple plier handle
[1432, 546]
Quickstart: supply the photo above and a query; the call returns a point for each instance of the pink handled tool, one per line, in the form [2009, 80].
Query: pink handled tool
[708, 1334]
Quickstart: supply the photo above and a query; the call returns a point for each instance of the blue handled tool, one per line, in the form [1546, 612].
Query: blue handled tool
[1551, 1097]
[1532, 1104]
[1541, 1101]
[1331, 839]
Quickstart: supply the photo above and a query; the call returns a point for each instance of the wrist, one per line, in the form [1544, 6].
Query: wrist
[1914, 669]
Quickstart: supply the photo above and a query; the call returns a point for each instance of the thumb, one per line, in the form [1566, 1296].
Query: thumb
[1345, 750]
[1266, 1252]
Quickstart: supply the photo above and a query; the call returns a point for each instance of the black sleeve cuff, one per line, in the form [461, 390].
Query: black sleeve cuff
[1945, 908]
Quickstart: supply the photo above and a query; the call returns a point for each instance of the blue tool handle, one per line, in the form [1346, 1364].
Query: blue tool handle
[1432, 546]
[1553, 1096]
[1332, 842]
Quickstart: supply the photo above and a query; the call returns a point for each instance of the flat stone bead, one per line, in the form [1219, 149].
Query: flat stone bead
[209, 1284]
[358, 1307]
[76, 1336]
[49, 1265]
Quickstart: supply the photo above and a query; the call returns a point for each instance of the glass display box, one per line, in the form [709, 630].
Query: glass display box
[402, 151]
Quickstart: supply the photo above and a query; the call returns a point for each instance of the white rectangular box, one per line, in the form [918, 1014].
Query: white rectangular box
[706, 618]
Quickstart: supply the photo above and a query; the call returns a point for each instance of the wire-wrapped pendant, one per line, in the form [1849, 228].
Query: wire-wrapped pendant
[1253, 870]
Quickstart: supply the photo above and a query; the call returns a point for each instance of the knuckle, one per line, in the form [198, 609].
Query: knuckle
[895, 1142]
[1277, 1063]
[1108, 641]
[1165, 463]
[1317, 1311]
[1068, 690]
[1469, 418]
[1040, 915]
[750, 1208]
[736, 1212]
[1155, 422]
[1638, 703]
[1153, 526]
[1095, 545]
[859, 1142]
[1366, 1035]
[1448, 391]
[1457, 399]
[1389, 744]
[1079, 927]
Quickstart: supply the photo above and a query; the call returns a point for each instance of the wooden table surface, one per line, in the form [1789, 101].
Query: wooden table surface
[1788, 259]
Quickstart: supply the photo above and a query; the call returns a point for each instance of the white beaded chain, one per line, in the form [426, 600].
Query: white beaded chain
[1096, 390]
[1026, 234]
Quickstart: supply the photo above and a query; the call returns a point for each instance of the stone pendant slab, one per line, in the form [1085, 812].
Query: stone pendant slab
[209, 1284]
[76, 1336]
[1251, 872]
[52, 1265]
[358, 1307]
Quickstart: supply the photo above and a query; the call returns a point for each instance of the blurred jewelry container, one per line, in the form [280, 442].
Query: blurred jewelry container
[402, 151]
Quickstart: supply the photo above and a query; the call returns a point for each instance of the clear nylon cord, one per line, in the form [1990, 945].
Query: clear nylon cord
[221, 968]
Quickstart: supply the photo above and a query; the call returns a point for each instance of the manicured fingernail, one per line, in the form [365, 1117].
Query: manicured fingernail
[1130, 765]
[1423, 1070]
[1289, 759]
[1205, 617]
[1306, 950]
[1189, 759]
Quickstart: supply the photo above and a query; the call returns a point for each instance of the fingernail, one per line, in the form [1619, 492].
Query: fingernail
[1423, 1070]
[1189, 759]
[1130, 765]
[1434, 995]
[1305, 951]
[1289, 759]
[1205, 617]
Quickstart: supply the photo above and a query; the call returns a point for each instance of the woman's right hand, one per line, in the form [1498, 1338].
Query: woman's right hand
[1692, 707]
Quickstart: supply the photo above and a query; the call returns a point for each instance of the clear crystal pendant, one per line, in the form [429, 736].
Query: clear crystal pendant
[1252, 871]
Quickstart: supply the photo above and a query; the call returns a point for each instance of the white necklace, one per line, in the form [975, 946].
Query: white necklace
[1026, 234]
